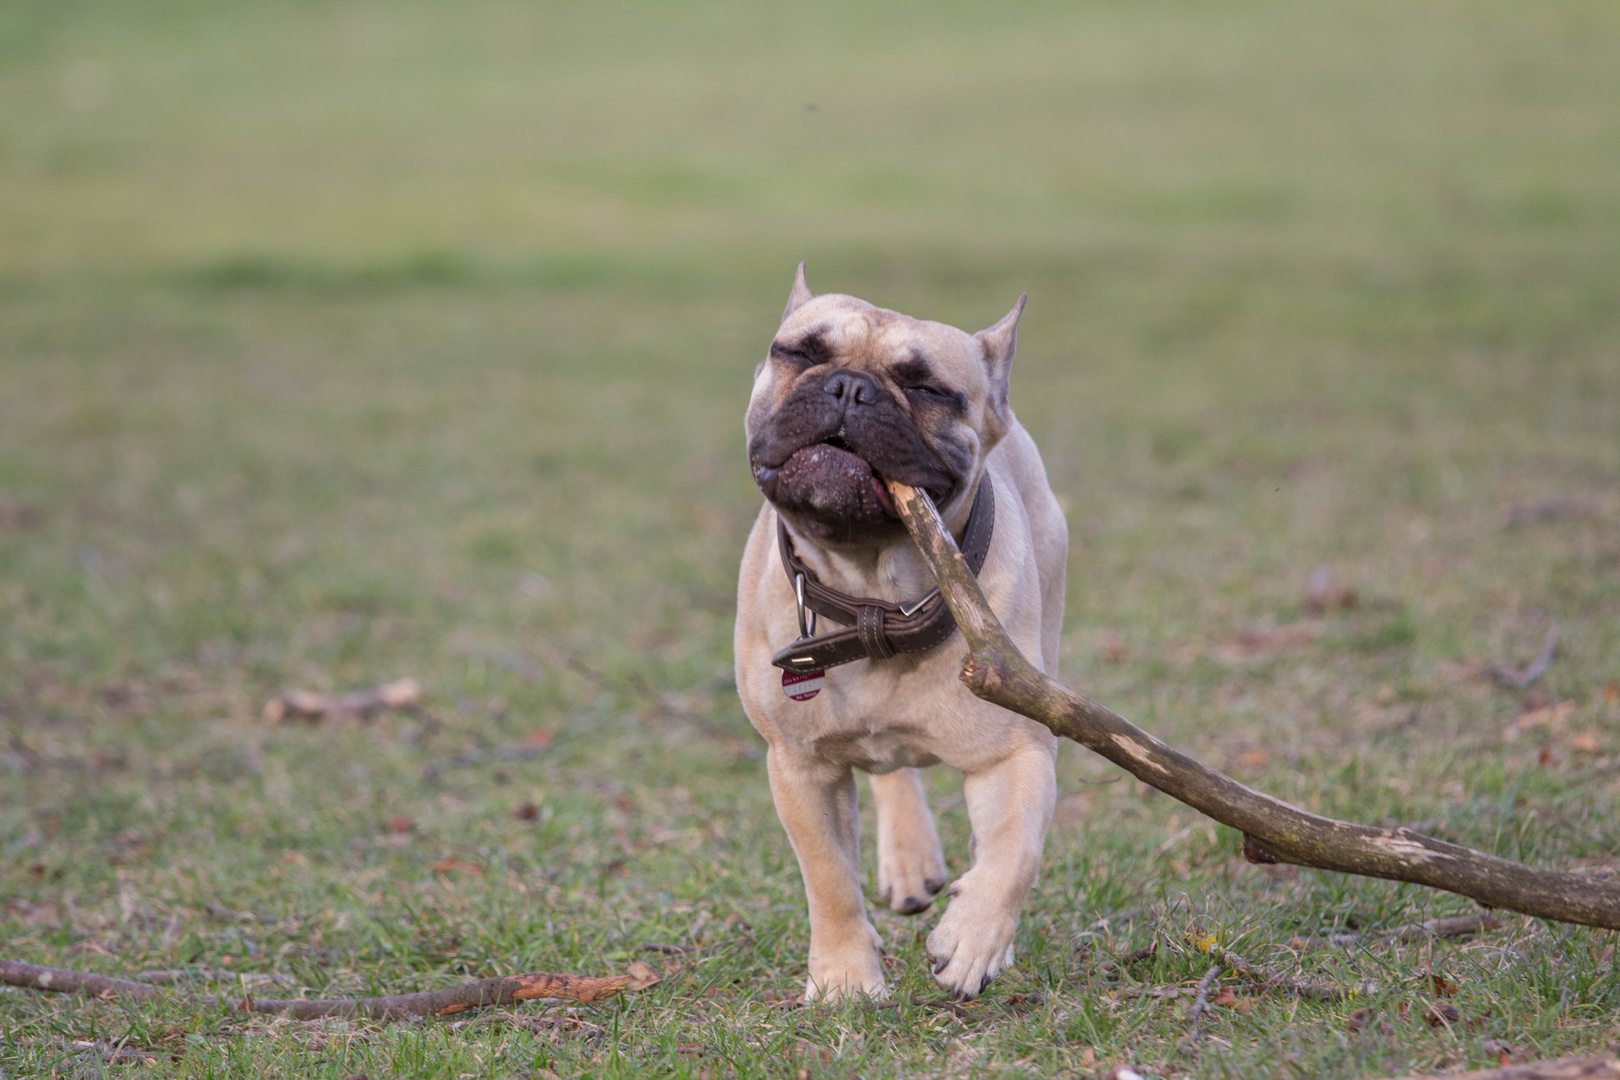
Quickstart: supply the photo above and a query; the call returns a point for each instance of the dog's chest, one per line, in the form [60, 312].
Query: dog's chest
[875, 717]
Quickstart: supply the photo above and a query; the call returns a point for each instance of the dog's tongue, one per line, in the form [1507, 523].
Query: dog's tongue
[835, 481]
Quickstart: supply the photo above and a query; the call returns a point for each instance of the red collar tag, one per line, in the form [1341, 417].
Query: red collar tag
[802, 686]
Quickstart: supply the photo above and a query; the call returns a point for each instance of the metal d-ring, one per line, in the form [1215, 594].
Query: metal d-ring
[908, 610]
[807, 625]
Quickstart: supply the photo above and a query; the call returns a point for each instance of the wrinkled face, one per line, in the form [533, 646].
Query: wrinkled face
[851, 395]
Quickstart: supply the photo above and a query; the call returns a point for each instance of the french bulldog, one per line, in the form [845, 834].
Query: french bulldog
[851, 395]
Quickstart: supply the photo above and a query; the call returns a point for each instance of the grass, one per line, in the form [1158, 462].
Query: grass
[340, 342]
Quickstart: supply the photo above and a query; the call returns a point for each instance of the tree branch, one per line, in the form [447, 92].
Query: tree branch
[1273, 831]
[473, 995]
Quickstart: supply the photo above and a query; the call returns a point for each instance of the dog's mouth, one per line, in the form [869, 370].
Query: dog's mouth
[829, 480]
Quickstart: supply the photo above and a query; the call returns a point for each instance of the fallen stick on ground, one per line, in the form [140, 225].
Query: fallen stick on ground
[1273, 831]
[455, 999]
[1518, 680]
[1456, 927]
[1587, 1068]
[1131, 957]
[1200, 1005]
[1271, 980]
[315, 705]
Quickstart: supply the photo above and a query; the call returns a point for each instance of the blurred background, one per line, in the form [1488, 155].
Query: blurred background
[348, 341]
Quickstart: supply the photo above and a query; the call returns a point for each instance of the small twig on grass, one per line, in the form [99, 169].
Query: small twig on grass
[314, 705]
[1271, 980]
[1517, 680]
[1586, 1068]
[1132, 957]
[1457, 927]
[63, 981]
[661, 947]
[1131, 993]
[455, 999]
[1200, 1005]
[1273, 831]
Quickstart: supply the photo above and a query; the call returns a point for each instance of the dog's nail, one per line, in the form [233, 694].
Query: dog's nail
[984, 982]
[939, 965]
[912, 905]
[933, 885]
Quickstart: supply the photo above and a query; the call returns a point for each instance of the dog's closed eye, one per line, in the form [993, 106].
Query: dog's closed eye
[916, 378]
[806, 352]
[934, 394]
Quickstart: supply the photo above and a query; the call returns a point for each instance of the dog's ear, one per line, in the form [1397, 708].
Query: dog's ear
[800, 295]
[999, 342]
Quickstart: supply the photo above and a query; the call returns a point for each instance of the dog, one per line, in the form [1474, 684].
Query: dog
[851, 395]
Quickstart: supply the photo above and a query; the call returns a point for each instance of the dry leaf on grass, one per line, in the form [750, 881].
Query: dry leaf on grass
[445, 866]
[1441, 1014]
[642, 975]
[1549, 716]
[1247, 644]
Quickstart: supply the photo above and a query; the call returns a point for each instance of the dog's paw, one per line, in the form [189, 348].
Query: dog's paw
[972, 944]
[833, 983]
[851, 968]
[910, 876]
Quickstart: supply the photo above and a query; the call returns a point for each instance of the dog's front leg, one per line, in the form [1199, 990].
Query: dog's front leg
[817, 805]
[911, 867]
[1010, 806]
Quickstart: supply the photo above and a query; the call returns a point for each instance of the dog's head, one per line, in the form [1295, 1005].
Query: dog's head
[852, 395]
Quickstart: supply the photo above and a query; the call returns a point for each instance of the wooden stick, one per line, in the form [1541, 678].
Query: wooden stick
[1273, 831]
[473, 995]
[1271, 980]
[62, 981]
[1518, 680]
[1587, 1068]
[1454, 927]
[455, 999]
[1200, 1003]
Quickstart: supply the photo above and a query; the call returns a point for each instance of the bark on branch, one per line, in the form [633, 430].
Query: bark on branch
[473, 995]
[1273, 831]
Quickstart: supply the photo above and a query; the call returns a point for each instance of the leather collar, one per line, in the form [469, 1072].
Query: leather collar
[876, 629]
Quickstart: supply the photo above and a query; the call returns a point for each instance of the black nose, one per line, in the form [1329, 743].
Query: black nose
[852, 388]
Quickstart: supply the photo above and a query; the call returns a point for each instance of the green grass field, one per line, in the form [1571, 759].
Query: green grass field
[345, 342]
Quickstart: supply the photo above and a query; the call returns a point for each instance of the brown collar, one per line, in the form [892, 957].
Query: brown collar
[875, 629]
